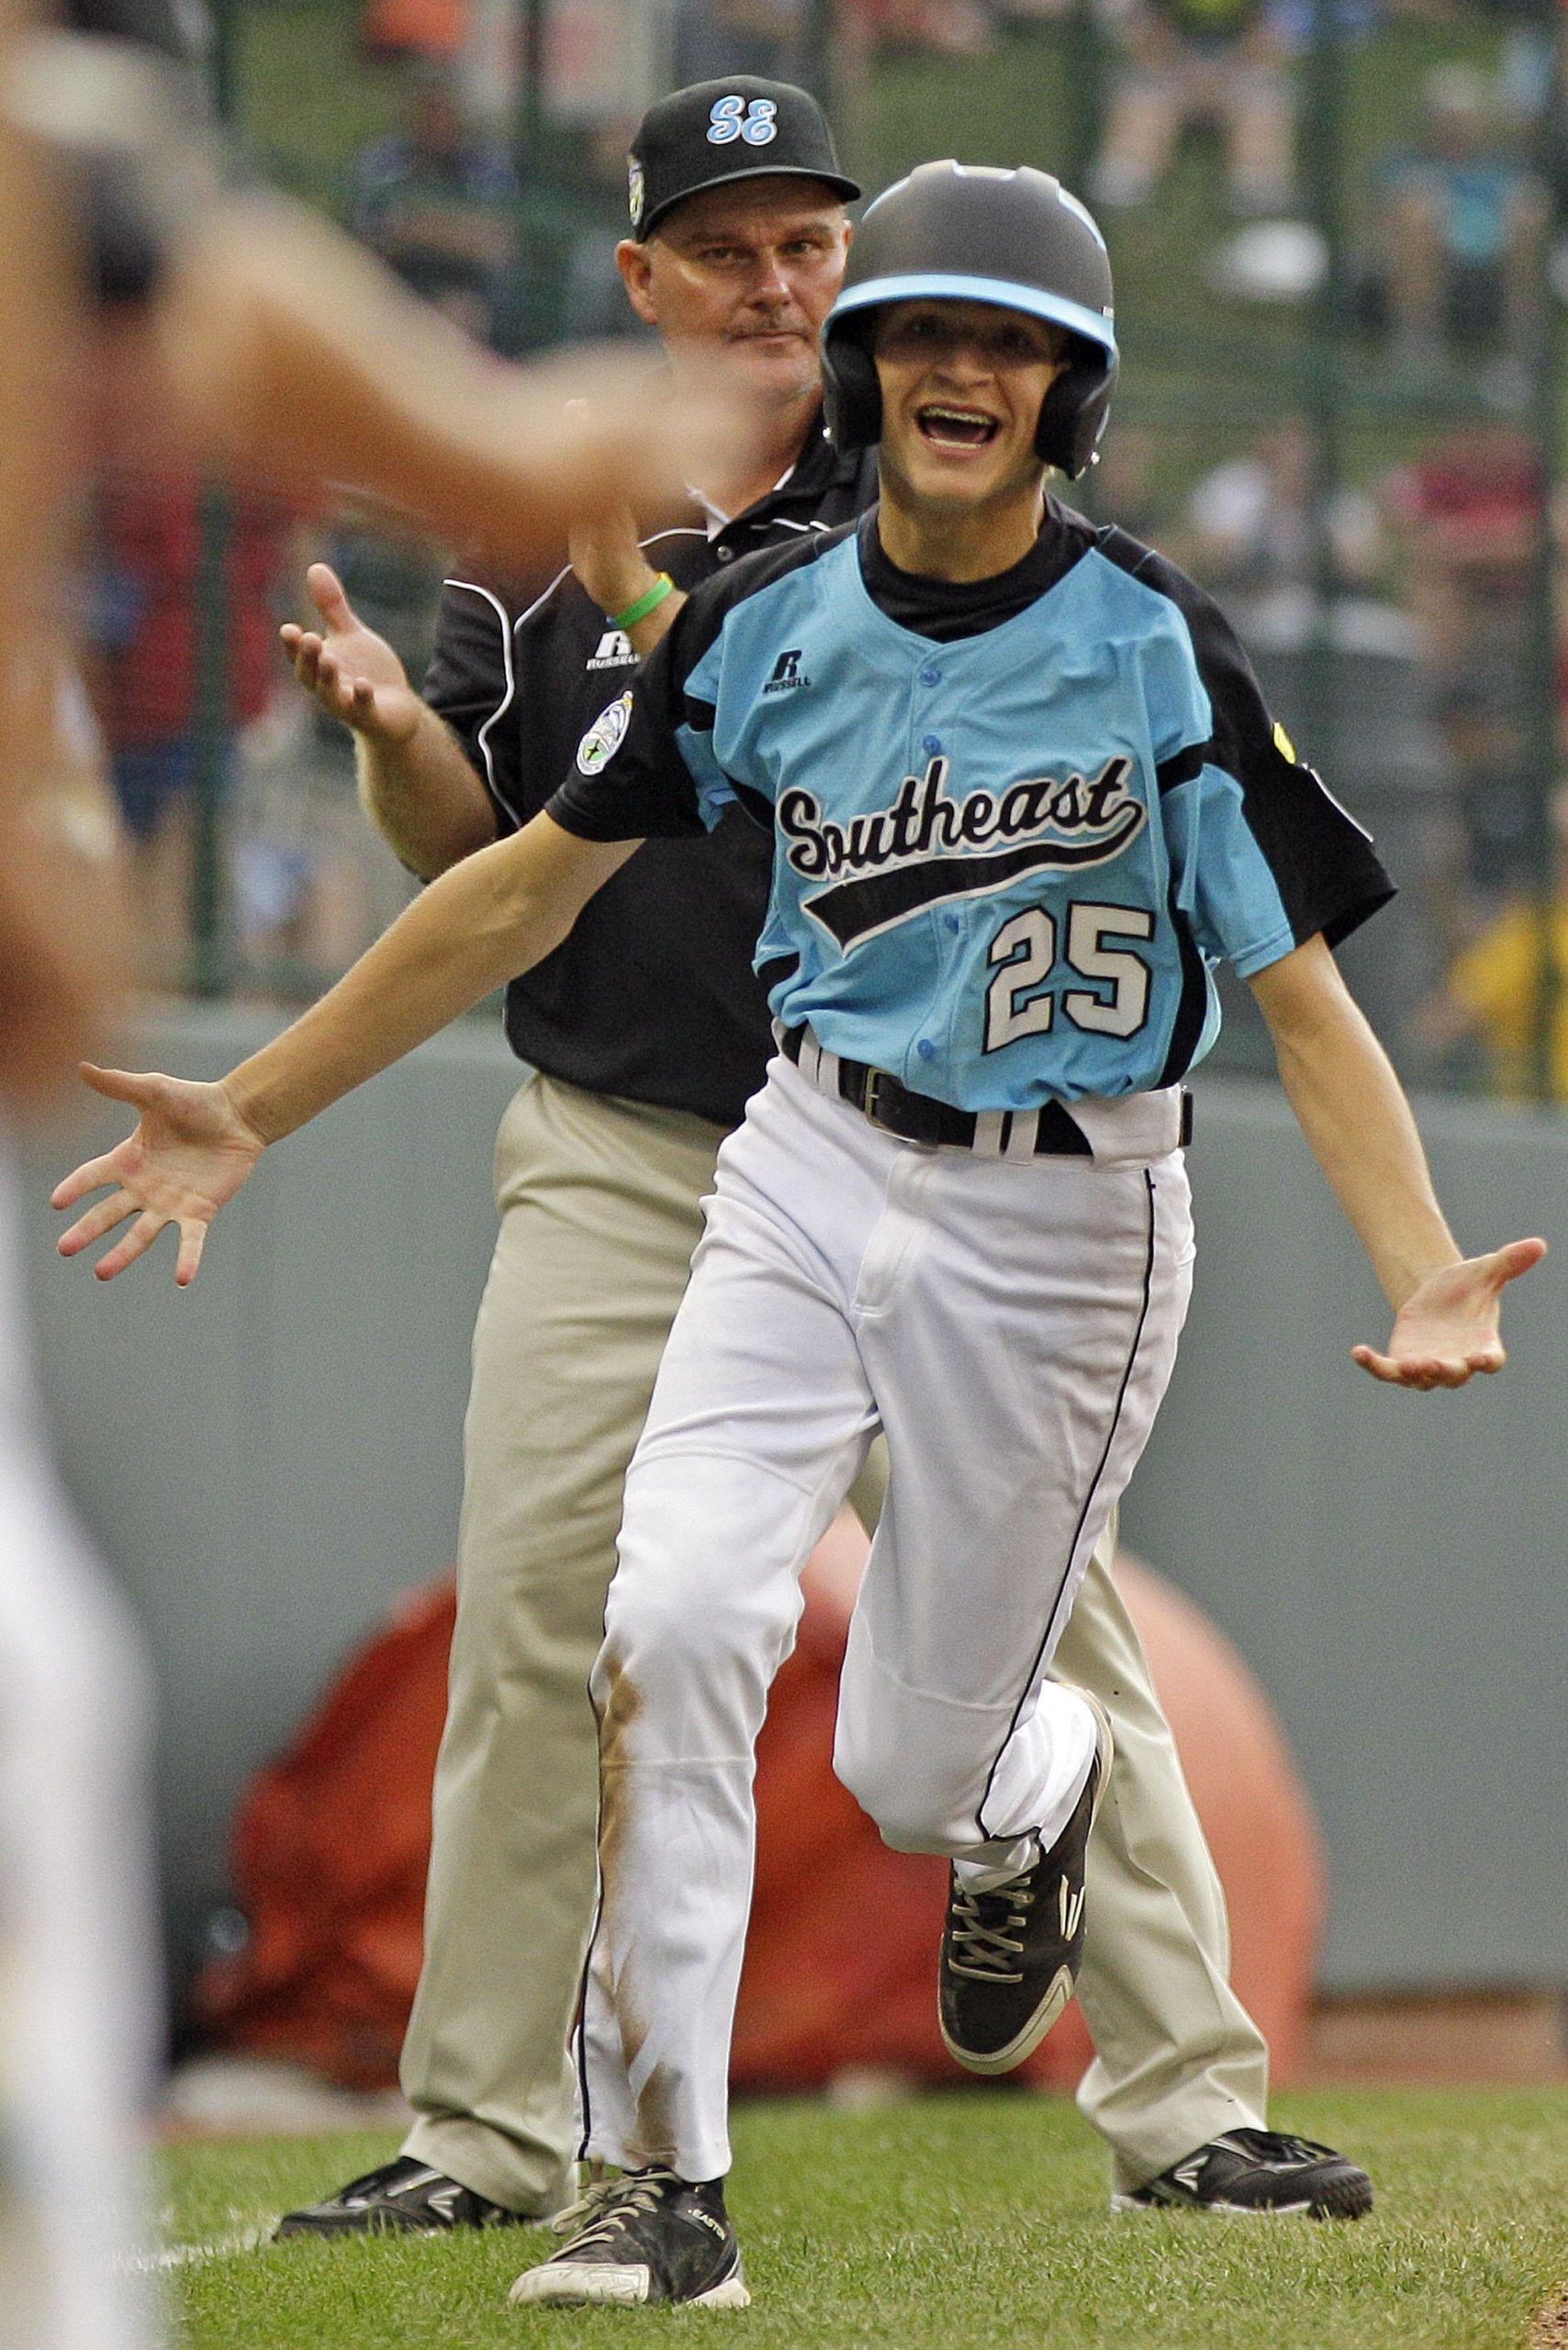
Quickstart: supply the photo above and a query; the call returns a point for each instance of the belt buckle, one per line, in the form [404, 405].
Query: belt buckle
[870, 1107]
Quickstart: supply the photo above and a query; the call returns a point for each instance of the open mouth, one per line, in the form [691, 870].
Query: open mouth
[957, 428]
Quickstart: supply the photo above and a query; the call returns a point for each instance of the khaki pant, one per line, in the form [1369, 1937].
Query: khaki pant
[599, 1206]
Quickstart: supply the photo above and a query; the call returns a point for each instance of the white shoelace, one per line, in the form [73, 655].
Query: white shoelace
[603, 2202]
[989, 1952]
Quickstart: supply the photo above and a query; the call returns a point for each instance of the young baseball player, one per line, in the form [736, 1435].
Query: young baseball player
[1025, 796]
[644, 1035]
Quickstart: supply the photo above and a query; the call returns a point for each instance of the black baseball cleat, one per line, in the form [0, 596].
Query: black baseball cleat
[1010, 1957]
[1260, 2172]
[403, 2197]
[649, 2236]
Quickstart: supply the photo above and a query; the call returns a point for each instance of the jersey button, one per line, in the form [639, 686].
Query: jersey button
[931, 744]
[950, 922]
[926, 1049]
[931, 677]
[724, 554]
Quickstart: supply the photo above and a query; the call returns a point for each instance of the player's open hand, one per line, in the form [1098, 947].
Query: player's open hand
[190, 1153]
[351, 671]
[1447, 1330]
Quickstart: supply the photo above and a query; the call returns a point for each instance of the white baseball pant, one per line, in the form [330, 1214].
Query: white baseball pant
[1012, 1325]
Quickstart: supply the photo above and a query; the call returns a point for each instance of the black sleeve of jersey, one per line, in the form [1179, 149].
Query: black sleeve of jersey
[630, 780]
[472, 683]
[1327, 873]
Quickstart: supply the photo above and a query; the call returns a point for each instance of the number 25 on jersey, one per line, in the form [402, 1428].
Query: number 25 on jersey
[1017, 1002]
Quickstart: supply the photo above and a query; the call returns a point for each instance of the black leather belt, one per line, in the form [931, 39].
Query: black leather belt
[916, 1117]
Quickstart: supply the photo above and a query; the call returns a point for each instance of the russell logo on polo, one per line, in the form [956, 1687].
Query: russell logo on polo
[614, 651]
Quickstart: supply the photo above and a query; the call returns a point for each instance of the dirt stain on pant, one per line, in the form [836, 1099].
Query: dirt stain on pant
[655, 2129]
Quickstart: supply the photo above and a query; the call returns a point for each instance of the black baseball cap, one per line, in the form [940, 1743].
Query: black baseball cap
[712, 133]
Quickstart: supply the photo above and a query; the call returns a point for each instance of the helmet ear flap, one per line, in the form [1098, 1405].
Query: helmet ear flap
[1073, 412]
[852, 393]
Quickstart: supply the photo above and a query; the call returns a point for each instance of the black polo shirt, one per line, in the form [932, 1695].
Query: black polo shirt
[652, 997]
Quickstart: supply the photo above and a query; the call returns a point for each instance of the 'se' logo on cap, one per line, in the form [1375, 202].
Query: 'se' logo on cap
[636, 189]
[738, 118]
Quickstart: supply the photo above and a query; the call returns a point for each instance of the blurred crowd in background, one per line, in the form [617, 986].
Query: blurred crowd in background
[1337, 228]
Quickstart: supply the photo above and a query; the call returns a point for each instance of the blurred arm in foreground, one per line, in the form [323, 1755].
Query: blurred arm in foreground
[78, 2003]
[62, 941]
[252, 334]
[289, 351]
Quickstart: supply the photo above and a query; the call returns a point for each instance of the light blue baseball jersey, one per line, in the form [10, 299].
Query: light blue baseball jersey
[1006, 864]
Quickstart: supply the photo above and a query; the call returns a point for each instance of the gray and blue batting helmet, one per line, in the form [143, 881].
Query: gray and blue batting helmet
[972, 232]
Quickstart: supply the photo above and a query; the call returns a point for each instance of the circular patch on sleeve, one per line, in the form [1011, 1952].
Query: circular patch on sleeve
[605, 737]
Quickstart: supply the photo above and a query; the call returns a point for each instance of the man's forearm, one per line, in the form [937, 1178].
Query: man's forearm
[492, 916]
[1353, 1112]
[423, 796]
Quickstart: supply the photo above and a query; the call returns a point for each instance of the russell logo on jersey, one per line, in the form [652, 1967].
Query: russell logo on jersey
[786, 673]
[927, 846]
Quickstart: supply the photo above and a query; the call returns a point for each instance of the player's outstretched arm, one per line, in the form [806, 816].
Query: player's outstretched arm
[1353, 1112]
[417, 787]
[493, 915]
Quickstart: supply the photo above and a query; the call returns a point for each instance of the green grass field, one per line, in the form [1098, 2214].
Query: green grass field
[971, 2221]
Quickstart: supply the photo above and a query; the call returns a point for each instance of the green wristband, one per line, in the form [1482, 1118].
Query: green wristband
[663, 586]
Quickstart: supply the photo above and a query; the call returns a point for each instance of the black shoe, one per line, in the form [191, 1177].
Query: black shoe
[649, 2236]
[1258, 2171]
[1010, 1958]
[403, 2197]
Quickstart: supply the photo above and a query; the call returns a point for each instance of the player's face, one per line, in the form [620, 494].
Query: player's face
[962, 384]
[741, 278]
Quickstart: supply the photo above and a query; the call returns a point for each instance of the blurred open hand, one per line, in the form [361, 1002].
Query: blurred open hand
[190, 1153]
[1448, 1328]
